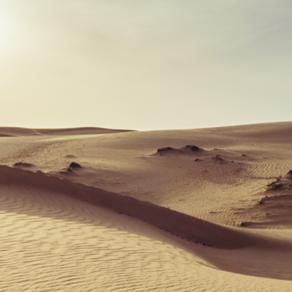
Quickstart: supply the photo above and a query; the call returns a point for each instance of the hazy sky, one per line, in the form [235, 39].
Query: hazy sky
[145, 64]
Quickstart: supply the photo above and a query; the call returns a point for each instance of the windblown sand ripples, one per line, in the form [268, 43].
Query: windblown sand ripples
[55, 236]
[54, 243]
[51, 242]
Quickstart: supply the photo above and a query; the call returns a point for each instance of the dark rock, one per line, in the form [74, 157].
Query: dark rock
[165, 150]
[73, 166]
[198, 160]
[193, 148]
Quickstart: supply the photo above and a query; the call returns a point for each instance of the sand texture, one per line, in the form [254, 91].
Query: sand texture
[93, 209]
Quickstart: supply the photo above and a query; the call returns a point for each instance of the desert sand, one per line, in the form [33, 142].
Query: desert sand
[92, 209]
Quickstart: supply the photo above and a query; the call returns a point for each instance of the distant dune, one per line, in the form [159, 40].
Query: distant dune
[13, 131]
[178, 210]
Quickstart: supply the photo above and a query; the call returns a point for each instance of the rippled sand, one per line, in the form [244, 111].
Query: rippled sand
[52, 240]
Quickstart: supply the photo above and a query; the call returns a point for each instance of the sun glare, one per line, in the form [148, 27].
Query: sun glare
[6, 29]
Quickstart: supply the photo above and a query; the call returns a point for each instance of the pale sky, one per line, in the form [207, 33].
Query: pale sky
[145, 64]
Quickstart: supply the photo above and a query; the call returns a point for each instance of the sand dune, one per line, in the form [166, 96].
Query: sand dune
[14, 131]
[132, 220]
[54, 243]
[176, 223]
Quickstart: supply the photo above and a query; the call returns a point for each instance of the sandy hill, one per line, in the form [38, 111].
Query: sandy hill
[178, 210]
[16, 131]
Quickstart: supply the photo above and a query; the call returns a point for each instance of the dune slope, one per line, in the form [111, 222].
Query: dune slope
[187, 210]
[51, 241]
[16, 131]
